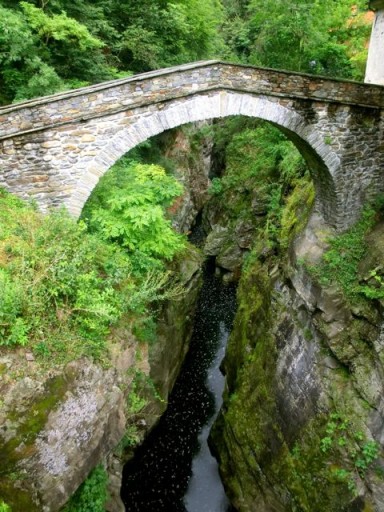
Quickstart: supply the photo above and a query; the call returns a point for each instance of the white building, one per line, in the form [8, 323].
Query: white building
[375, 65]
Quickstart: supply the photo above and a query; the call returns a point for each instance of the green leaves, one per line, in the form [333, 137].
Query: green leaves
[341, 261]
[68, 43]
[13, 329]
[39, 51]
[343, 442]
[63, 289]
[4, 507]
[92, 495]
[159, 34]
[264, 172]
[60, 288]
[323, 37]
[32, 44]
[133, 213]
[22, 71]
[59, 27]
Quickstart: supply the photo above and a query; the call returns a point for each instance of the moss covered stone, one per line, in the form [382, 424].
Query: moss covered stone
[297, 430]
[25, 421]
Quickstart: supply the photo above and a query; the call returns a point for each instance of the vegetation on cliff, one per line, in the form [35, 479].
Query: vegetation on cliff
[343, 262]
[295, 431]
[62, 288]
[127, 207]
[92, 494]
[264, 182]
[66, 293]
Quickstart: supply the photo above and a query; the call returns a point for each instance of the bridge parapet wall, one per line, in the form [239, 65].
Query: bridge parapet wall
[178, 82]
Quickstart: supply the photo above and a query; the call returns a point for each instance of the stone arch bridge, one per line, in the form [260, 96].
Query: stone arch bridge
[54, 149]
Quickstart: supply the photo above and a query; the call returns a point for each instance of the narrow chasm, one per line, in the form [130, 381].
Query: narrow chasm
[296, 424]
[174, 470]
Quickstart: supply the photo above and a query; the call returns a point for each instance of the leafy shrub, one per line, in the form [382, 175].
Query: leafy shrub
[144, 328]
[216, 187]
[12, 327]
[130, 439]
[359, 454]
[60, 288]
[341, 261]
[92, 494]
[128, 207]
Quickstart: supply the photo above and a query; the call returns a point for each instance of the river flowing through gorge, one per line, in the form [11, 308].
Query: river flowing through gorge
[174, 470]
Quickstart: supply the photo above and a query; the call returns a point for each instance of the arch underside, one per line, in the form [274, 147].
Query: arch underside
[323, 162]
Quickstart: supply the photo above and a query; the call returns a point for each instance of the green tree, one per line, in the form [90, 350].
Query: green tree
[68, 45]
[59, 27]
[163, 33]
[23, 72]
[49, 45]
[41, 54]
[128, 207]
[324, 37]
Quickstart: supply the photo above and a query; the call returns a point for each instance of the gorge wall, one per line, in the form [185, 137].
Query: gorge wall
[302, 423]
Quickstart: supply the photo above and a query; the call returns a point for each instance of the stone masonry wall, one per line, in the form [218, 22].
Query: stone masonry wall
[55, 149]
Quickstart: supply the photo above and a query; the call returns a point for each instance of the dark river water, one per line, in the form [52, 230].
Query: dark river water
[174, 470]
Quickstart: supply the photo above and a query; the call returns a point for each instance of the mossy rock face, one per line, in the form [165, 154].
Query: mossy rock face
[25, 415]
[251, 319]
[47, 428]
[299, 427]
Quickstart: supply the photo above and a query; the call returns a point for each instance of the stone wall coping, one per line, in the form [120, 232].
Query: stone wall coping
[109, 84]
[368, 88]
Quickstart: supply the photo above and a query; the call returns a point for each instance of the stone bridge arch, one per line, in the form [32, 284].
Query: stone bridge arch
[55, 149]
[322, 160]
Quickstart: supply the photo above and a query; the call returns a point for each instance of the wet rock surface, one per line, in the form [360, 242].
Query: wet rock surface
[303, 370]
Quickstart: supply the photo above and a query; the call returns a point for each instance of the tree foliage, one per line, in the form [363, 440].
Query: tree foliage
[324, 37]
[49, 45]
[128, 208]
[59, 27]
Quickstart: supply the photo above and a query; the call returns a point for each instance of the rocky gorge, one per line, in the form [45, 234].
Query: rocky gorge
[302, 423]
[57, 425]
[301, 428]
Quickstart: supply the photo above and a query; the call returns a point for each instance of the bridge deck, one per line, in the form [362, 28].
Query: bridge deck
[167, 84]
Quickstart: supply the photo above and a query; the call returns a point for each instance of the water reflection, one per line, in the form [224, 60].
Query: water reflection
[174, 471]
